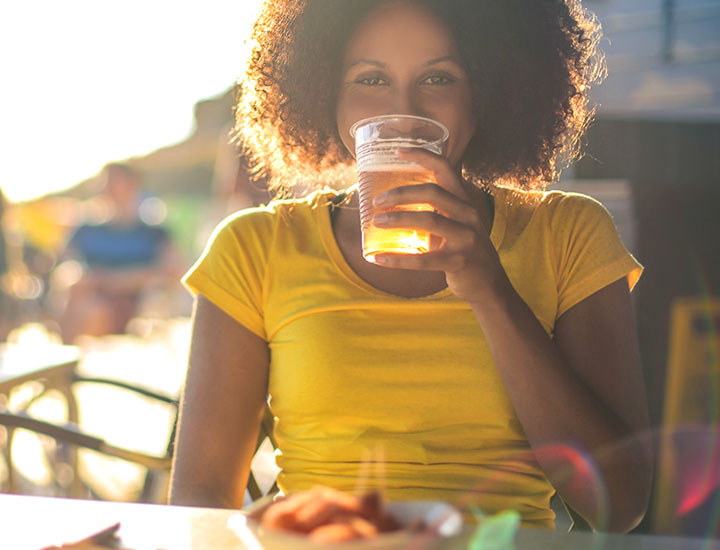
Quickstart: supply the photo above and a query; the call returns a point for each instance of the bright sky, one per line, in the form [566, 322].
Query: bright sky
[85, 82]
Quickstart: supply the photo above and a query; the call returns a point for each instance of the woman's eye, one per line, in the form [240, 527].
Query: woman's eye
[371, 81]
[436, 79]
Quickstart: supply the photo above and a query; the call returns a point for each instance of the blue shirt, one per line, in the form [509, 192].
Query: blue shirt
[112, 246]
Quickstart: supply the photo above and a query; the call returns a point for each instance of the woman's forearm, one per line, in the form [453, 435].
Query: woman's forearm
[555, 406]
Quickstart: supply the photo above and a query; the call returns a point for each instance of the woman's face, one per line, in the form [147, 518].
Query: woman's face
[402, 59]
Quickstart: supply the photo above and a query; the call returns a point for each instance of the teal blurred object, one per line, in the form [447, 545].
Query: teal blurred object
[495, 532]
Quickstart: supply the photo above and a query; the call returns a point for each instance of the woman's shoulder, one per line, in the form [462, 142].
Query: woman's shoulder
[287, 209]
[287, 206]
[554, 204]
[265, 223]
[547, 214]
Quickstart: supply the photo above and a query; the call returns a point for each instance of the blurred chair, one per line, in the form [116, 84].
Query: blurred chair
[266, 433]
[69, 437]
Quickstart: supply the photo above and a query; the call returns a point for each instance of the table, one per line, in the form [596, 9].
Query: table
[29, 523]
[51, 367]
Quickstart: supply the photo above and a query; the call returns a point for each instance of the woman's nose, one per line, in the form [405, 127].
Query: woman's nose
[406, 103]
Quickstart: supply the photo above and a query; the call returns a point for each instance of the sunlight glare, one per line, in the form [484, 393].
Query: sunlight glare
[89, 82]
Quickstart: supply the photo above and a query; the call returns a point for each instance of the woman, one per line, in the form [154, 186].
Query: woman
[449, 375]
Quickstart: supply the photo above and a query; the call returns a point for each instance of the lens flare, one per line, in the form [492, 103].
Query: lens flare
[572, 466]
[698, 458]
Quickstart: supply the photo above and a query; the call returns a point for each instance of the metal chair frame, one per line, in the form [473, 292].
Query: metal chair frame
[71, 436]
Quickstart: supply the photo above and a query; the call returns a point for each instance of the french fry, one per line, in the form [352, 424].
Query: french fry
[329, 515]
[344, 528]
[282, 514]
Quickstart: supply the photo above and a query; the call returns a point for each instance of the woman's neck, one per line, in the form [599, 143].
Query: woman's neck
[345, 218]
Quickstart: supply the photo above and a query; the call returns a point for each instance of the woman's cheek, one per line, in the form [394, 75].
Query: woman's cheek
[358, 101]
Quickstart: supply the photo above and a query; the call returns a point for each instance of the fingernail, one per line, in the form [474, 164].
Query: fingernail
[380, 199]
[380, 218]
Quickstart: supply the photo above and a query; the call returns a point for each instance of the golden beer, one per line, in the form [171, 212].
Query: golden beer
[377, 240]
[377, 141]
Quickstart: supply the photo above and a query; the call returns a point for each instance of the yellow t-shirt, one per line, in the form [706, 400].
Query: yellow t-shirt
[372, 390]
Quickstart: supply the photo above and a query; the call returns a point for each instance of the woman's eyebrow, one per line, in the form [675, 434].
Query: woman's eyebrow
[379, 64]
[450, 58]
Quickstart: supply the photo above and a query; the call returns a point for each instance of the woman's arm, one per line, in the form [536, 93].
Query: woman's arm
[584, 388]
[222, 405]
[598, 338]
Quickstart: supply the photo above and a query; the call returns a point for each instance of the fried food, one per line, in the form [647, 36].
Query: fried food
[328, 515]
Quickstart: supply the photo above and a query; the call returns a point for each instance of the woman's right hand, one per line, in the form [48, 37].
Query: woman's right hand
[467, 256]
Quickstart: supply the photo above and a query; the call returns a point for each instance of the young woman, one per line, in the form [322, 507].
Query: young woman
[479, 373]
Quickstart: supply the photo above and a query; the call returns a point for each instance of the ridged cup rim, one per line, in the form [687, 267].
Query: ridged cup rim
[363, 122]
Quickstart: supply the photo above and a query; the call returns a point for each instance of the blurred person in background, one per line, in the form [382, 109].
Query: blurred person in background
[112, 265]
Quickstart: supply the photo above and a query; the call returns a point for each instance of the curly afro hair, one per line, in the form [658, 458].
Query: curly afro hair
[530, 65]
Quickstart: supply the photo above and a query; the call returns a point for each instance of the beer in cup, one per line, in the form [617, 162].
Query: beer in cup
[377, 140]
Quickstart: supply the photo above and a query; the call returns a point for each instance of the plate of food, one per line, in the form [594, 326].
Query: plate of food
[327, 518]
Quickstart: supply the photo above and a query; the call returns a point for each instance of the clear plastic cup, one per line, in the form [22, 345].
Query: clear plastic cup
[377, 140]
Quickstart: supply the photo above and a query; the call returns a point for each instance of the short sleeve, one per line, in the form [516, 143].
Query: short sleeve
[588, 249]
[231, 270]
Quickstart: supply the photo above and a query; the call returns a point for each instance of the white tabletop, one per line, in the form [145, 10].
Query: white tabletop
[29, 523]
